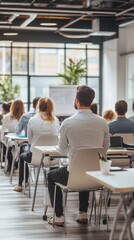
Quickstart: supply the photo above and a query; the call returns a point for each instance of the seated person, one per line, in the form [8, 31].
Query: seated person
[94, 108]
[5, 109]
[109, 115]
[83, 129]
[9, 124]
[43, 122]
[22, 124]
[132, 117]
[121, 124]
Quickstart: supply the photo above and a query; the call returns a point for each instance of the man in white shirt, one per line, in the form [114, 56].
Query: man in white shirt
[83, 129]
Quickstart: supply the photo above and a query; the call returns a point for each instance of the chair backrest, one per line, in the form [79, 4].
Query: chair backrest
[43, 140]
[86, 159]
[116, 142]
[128, 138]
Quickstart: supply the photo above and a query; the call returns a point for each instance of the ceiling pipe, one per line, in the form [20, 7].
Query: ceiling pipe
[45, 29]
[72, 22]
[76, 30]
[55, 11]
[125, 11]
[11, 19]
[28, 28]
[28, 20]
[74, 36]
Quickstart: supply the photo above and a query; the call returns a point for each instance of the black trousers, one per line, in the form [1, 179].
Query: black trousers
[26, 156]
[60, 175]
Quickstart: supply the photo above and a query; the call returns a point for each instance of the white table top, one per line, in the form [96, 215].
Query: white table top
[119, 151]
[14, 136]
[53, 150]
[118, 181]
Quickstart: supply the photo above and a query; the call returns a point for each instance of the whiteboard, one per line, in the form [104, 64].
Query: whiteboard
[63, 98]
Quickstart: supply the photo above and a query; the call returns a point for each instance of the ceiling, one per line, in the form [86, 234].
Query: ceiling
[76, 19]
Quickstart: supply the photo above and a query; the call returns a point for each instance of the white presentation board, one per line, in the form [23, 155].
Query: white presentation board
[63, 98]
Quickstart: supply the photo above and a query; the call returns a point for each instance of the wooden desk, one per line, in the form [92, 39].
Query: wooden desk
[119, 181]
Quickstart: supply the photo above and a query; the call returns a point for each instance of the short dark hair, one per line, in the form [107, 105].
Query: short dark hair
[35, 101]
[6, 106]
[85, 95]
[121, 107]
[94, 108]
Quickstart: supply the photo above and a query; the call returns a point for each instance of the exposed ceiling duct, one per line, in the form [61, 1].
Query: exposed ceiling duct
[74, 19]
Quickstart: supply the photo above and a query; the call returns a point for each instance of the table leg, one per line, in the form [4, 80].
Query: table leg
[36, 182]
[116, 216]
[128, 215]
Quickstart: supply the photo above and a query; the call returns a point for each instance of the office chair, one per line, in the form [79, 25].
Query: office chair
[84, 160]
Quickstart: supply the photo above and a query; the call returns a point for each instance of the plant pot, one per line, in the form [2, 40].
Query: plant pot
[105, 166]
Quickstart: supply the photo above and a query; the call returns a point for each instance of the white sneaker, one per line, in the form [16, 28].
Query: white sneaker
[59, 221]
[82, 218]
[132, 229]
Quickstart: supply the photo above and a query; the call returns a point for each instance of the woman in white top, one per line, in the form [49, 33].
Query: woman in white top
[9, 124]
[10, 120]
[44, 122]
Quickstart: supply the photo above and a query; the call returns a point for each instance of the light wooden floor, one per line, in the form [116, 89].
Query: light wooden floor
[18, 222]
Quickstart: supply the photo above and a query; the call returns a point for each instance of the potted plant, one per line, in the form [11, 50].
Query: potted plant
[7, 90]
[105, 164]
[63, 95]
[73, 72]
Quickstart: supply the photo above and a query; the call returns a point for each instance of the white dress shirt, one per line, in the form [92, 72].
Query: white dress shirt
[83, 129]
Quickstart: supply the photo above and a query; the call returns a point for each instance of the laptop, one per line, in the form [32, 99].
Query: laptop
[116, 142]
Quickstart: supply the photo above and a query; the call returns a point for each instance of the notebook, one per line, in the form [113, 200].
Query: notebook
[116, 142]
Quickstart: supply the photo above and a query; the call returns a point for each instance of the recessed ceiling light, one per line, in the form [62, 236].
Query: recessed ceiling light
[48, 24]
[10, 34]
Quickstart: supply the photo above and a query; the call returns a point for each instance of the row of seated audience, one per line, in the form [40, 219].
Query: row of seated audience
[84, 129]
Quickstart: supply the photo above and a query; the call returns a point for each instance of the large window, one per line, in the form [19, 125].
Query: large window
[46, 61]
[5, 60]
[19, 61]
[35, 66]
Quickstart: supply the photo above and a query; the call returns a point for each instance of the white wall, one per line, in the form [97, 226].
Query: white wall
[109, 74]
[115, 67]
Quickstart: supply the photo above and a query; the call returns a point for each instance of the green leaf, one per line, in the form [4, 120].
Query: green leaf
[7, 90]
[73, 72]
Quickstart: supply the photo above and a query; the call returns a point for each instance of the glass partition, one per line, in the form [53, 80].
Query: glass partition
[19, 61]
[5, 60]
[46, 61]
[22, 81]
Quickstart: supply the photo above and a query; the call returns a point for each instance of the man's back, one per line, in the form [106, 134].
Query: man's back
[84, 129]
[121, 125]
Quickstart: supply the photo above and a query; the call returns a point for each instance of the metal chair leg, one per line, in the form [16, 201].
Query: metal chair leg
[64, 201]
[92, 206]
[13, 163]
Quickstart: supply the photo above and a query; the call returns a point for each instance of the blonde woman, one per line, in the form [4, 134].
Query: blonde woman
[44, 122]
[10, 122]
